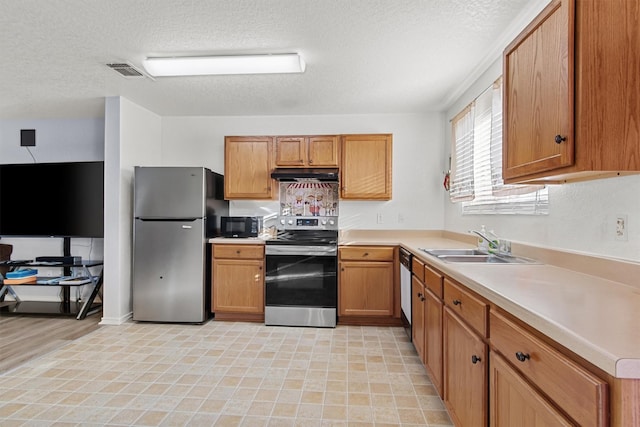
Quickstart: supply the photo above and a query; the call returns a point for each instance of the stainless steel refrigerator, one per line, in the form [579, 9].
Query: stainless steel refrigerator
[176, 209]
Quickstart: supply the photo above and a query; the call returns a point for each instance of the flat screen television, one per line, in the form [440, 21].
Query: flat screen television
[52, 199]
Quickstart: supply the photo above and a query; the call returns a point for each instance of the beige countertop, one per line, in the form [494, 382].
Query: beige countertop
[591, 315]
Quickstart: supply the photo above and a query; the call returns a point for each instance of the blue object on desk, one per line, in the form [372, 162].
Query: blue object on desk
[27, 272]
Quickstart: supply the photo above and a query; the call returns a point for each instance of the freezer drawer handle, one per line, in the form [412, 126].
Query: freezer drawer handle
[187, 226]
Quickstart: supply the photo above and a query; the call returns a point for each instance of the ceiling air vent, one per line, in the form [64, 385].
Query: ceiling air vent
[127, 70]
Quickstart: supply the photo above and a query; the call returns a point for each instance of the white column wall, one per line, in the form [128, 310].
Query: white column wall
[132, 137]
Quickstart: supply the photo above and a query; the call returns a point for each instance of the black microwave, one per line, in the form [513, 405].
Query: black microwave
[240, 226]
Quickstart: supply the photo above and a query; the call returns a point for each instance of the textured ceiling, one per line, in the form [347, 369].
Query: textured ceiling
[363, 56]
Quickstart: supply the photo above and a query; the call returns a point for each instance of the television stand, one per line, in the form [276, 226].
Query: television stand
[65, 307]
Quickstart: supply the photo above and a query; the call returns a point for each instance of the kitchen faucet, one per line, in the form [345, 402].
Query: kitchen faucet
[497, 245]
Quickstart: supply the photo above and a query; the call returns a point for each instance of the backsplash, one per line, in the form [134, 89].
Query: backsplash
[309, 198]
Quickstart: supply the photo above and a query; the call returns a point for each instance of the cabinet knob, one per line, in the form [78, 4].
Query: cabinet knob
[366, 254]
[457, 302]
[419, 294]
[310, 161]
[560, 139]
[238, 252]
[522, 356]
[475, 359]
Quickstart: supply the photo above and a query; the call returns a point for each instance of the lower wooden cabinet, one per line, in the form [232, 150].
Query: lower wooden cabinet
[433, 338]
[418, 312]
[515, 403]
[238, 282]
[465, 373]
[368, 292]
[576, 391]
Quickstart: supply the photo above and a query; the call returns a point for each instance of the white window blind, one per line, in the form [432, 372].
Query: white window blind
[480, 150]
[462, 185]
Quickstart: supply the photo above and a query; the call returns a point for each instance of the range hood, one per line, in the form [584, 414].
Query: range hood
[306, 174]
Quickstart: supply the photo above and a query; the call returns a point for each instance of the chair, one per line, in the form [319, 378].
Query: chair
[5, 255]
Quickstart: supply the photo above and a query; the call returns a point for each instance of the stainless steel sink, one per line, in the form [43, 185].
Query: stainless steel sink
[476, 256]
[472, 258]
[453, 252]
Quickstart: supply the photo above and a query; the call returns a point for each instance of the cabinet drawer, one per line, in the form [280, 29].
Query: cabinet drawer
[366, 253]
[417, 268]
[433, 281]
[578, 392]
[238, 251]
[469, 307]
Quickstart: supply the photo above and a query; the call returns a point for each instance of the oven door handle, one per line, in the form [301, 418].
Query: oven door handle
[321, 250]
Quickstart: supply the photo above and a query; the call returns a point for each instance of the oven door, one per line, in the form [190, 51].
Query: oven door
[301, 285]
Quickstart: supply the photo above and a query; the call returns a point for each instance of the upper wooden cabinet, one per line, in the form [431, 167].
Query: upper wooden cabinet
[539, 95]
[366, 168]
[365, 164]
[247, 167]
[307, 151]
[571, 110]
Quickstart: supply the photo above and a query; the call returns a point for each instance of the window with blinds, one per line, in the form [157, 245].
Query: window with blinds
[476, 171]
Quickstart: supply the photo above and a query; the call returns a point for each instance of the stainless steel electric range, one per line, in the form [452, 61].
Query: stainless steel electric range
[301, 276]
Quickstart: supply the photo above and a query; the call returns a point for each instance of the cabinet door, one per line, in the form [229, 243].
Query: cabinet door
[365, 170]
[433, 338]
[515, 403]
[238, 286]
[580, 394]
[366, 289]
[323, 151]
[291, 151]
[465, 373]
[417, 316]
[538, 101]
[247, 168]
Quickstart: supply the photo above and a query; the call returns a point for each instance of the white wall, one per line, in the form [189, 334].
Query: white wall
[57, 140]
[582, 215]
[417, 154]
[132, 137]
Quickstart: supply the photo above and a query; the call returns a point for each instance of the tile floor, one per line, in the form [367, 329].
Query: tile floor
[225, 374]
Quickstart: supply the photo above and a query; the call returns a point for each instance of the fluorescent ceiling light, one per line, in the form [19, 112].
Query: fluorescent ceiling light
[231, 64]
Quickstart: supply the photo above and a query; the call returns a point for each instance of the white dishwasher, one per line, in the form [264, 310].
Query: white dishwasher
[405, 289]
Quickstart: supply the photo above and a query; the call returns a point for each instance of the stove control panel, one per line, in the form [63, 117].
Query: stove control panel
[308, 223]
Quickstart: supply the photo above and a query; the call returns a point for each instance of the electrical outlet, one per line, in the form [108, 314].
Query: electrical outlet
[380, 218]
[621, 227]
